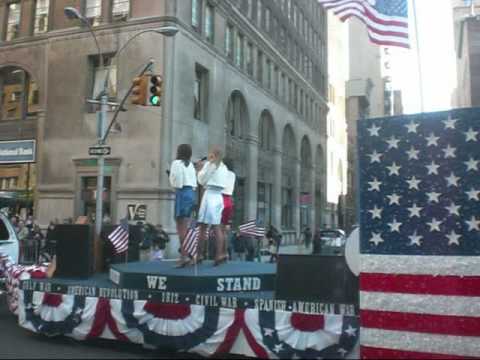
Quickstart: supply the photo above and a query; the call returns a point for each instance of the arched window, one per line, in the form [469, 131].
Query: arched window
[265, 131]
[19, 92]
[289, 159]
[236, 113]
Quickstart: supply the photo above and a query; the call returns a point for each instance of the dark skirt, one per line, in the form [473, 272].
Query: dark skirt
[184, 202]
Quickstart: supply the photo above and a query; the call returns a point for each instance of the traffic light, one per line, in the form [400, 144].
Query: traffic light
[139, 91]
[155, 90]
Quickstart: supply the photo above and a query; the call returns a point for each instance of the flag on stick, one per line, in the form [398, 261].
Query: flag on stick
[191, 240]
[119, 237]
[250, 228]
[386, 20]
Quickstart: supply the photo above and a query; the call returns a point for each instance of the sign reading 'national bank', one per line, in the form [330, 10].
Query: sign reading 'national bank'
[22, 151]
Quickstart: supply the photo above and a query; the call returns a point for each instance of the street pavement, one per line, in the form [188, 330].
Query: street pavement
[17, 343]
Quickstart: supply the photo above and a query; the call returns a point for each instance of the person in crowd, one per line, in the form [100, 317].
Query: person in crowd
[272, 249]
[307, 237]
[159, 243]
[238, 245]
[183, 178]
[317, 242]
[227, 193]
[275, 235]
[213, 175]
[51, 241]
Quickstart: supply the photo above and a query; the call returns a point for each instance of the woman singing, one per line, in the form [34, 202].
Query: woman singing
[183, 178]
[213, 176]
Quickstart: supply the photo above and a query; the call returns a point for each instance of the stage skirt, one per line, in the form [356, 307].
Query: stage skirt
[227, 209]
[211, 206]
[184, 202]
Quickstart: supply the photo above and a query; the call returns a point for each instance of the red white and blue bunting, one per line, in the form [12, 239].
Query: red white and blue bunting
[207, 331]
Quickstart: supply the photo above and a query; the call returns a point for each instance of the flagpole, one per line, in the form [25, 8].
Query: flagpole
[419, 61]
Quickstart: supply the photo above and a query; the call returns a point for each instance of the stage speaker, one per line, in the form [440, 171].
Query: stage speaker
[318, 278]
[135, 239]
[75, 256]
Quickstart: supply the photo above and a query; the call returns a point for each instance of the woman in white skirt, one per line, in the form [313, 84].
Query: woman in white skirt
[213, 176]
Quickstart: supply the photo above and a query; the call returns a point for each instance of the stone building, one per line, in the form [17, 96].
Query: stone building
[466, 31]
[248, 75]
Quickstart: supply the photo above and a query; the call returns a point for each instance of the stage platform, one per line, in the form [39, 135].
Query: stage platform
[247, 323]
[230, 277]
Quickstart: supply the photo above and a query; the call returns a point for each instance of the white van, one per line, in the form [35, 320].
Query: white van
[8, 239]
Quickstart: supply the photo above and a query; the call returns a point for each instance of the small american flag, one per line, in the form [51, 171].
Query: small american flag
[250, 228]
[119, 237]
[420, 235]
[386, 20]
[191, 239]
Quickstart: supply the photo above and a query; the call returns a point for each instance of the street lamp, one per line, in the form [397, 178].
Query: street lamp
[72, 14]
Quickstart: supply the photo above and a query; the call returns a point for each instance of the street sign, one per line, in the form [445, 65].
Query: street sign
[99, 150]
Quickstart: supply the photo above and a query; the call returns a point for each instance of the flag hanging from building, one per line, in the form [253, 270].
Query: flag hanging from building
[119, 237]
[420, 235]
[250, 228]
[386, 20]
[191, 239]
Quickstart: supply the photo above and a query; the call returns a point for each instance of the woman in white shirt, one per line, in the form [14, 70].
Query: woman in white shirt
[184, 179]
[213, 176]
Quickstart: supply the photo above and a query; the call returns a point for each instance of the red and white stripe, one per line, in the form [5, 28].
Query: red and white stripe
[413, 307]
[191, 241]
[250, 228]
[382, 30]
[119, 239]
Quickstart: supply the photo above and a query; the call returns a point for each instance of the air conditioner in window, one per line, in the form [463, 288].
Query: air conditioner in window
[120, 16]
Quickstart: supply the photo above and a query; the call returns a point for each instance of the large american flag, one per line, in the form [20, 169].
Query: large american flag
[119, 237]
[420, 235]
[250, 228]
[386, 20]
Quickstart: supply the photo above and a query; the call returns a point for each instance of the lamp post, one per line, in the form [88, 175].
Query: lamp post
[73, 13]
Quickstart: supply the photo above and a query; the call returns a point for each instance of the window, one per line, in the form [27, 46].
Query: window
[196, 13]
[20, 94]
[13, 21]
[93, 11]
[41, 16]
[249, 59]
[259, 14]
[99, 75]
[209, 23]
[276, 81]
[287, 208]
[239, 50]
[229, 41]
[260, 67]
[200, 93]
[268, 20]
[269, 75]
[264, 203]
[282, 87]
[120, 9]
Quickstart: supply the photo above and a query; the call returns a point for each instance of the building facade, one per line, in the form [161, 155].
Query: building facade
[337, 162]
[365, 98]
[466, 34]
[250, 76]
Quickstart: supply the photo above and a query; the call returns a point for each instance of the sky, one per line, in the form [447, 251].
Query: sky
[437, 53]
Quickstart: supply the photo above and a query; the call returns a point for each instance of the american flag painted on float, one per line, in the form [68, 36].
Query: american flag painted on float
[420, 235]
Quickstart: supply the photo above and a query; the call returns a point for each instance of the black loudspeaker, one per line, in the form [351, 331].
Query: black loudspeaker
[325, 279]
[135, 239]
[75, 257]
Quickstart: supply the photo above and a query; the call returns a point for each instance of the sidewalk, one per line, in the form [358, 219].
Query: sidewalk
[295, 249]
